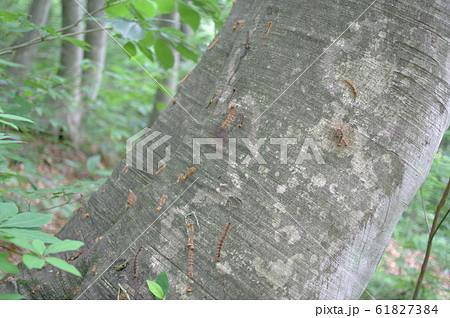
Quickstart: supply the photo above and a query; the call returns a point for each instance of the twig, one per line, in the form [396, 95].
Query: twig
[11, 49]
[425, 211]
[439, 225]
[37, 40]
[434, 228]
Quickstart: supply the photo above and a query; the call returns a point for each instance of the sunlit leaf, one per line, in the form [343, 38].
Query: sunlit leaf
[155, 289]
[145, 8]
[33, 261]
[165, 6]
[64, 246]
[63, 265]
[27, 219]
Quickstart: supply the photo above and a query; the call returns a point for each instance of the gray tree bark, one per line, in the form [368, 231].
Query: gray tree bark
[71, 57]
[170, 82]
[298, 231]
[39, 10]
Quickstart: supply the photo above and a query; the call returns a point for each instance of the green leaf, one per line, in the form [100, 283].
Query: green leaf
[21, 242]
[120, 10]
[146, 51]
[14, 117]
[189, 15]
[11, 297]
[8, 16]
[7, 266]
[129, 30]
[148, 40]
[39, 247]
[164, 54]
[165, 6]
[187, 53]
[9, 124]
[155, 289]
[64, 246]
[163, 282]
[7, 210]
[30, 235]
[130, 49]
[81, 44]
[33, 261]
[27, 219]
[145, 8]
[63, 265]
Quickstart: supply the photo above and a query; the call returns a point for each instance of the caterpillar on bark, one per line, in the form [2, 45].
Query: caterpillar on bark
[221, 240]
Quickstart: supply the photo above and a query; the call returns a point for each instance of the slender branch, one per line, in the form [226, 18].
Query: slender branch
[11, 49]
[425, 211]
[439, 225]
[45, 39]
[434, 227]
[90, 14]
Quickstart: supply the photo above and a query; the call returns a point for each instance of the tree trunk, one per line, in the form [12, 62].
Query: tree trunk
[71, 57]
[314, 229]
[38, 15]
[170, 81]
[92, 76]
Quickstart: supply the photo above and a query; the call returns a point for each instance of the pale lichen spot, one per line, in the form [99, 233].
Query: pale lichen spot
[292, 233]
[313, 259]
[278, 272]
[281, 188]
[223, 269]
[292, 182]
[319, 180]
[332, 188]
[280, 207]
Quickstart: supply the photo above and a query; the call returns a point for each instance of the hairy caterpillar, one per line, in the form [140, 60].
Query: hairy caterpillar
[161, 202]
[269, 26]
[239, 24]
[222, 238]
[189, 172]
[230, 117]
[135, 265]
[36, 289]
[240, 118]
[184, 78]
[160, 169]
[131, 199]
[190, 246]
[213, 44]
[352, 86]
[214, 98]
